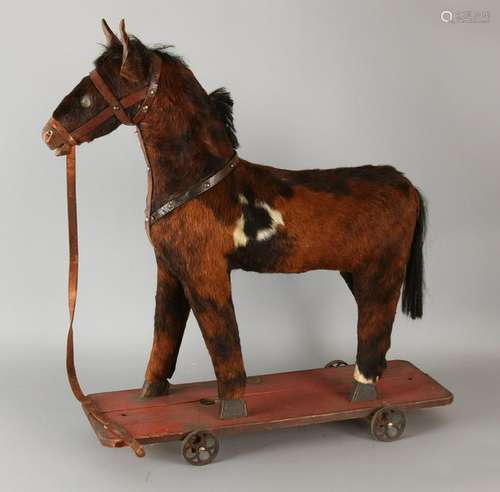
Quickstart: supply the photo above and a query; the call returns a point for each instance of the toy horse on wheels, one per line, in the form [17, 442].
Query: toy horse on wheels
[210, 212]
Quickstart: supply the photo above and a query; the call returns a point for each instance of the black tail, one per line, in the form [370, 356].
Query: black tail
[413, 289]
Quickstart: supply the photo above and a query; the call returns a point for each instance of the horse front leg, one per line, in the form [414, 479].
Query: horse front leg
[171, 314]
[213, 307]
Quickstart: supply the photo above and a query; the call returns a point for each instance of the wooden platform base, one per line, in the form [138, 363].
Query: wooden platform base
[274, 401]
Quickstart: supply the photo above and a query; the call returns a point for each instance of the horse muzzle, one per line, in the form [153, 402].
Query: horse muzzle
[57, 138]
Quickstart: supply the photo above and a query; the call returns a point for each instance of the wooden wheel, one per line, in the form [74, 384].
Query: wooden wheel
[387, 424]
[336, 363]
[200, 447]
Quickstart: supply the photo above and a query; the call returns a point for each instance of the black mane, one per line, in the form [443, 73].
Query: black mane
[223, 105]
[220, 99]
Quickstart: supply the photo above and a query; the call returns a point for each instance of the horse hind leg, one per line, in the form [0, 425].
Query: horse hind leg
[376, 291]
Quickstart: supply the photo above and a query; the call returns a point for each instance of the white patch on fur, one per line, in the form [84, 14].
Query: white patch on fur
[360, 378]
[276, 220]
[239, 236]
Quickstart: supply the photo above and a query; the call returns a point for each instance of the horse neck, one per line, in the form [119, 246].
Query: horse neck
[181, 158]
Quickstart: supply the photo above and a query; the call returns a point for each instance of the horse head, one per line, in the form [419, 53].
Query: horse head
[117, 91]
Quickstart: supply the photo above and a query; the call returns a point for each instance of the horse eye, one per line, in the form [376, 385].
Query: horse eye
[86, 101]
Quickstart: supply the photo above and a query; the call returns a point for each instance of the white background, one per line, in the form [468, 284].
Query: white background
[316, 84]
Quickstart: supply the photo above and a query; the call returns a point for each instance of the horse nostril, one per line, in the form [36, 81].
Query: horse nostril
[48, 135]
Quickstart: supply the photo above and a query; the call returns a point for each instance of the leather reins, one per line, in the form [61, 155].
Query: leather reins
[115, 108]
[87, 403]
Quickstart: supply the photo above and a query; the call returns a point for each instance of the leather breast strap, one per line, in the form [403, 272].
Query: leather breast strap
[194, 191]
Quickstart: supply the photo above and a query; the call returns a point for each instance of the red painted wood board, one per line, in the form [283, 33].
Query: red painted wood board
[274, 401]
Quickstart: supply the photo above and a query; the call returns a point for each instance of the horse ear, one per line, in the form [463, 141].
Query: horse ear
[110, 35]
[132, 65]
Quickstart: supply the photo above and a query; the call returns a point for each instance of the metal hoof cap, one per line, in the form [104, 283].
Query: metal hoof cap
[233, 409]
[363, 392]
[150, 390]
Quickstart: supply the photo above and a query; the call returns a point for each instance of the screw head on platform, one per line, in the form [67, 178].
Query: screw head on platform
[152, 92]
[145, 108]
[116, 108]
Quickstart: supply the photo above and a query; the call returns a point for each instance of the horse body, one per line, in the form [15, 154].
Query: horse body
[360, 221]
[273, 220]
[366, 222]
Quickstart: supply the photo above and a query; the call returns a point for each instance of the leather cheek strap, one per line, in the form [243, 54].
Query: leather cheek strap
[112, 101]
[151, 91]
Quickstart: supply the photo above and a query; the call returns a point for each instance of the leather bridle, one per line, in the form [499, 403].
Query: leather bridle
[116, 108]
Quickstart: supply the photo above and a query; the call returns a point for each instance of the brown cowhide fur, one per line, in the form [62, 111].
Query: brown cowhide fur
[366, 222]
